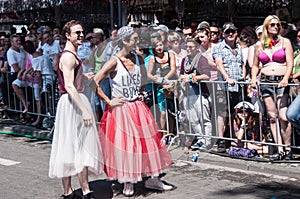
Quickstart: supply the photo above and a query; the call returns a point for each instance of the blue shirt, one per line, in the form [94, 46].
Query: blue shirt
[232, 63]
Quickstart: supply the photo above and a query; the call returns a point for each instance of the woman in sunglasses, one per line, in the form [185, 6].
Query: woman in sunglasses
[276, 55]
[128, 132]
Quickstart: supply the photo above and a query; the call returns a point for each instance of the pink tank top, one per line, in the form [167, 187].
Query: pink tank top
[278, 56]
[78, 81]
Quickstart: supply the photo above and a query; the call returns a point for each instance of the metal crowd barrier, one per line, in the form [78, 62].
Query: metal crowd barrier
[49, 98]
[184, 128]
[182, 131]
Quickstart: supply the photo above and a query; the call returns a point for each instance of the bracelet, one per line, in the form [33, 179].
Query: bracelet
[110, 103]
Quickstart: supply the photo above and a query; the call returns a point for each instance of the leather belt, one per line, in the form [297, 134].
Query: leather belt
[271, 78]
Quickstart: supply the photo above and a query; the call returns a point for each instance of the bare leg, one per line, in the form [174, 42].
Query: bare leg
[221, 126]
[83, 181]
[66, 181]
[20, 94]
[163, 120]
[271, 109]
[38, 110]
[285, 126]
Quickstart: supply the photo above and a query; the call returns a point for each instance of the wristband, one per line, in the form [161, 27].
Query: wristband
[110, 103]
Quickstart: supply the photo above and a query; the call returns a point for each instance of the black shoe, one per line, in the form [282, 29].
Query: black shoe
[221, 146]
[90, 195]
[288, 155]
[70, 196]
[277, 156]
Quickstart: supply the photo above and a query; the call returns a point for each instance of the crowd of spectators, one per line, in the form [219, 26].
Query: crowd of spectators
[190, 54]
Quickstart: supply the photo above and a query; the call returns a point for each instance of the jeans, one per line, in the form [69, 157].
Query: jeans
[293, 112]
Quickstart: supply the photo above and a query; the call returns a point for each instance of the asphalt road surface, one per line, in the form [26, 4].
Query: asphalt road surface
[24, 175]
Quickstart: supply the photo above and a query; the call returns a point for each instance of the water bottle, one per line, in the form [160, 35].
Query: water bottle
[195, 156]
[158, 76]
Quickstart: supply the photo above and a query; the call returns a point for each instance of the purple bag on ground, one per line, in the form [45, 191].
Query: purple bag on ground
[242, 152]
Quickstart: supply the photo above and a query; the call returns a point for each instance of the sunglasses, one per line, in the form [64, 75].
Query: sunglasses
[274, 24]
[189, 34]
[79, 33]
[229, 31]
[214, 32]
[190, 47]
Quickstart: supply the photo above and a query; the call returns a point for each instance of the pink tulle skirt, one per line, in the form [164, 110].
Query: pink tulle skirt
[131, 144]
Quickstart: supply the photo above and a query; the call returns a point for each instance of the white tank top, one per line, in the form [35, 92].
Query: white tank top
[125, 85]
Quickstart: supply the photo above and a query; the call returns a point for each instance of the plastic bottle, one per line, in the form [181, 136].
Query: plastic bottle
[195, 156]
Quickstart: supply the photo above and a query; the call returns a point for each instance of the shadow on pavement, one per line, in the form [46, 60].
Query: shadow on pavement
[106, 189]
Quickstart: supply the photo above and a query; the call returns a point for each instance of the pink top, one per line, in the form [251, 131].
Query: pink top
[78, 81]
[278, 56]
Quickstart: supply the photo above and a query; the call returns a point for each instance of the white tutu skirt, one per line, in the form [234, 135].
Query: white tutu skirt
[74, 145]
[132, 145]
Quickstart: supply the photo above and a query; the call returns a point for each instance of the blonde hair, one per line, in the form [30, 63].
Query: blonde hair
[265, 33]
[173, 36]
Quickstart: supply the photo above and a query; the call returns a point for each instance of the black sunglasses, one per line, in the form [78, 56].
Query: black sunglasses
[79, 33]
[189, 34]
[229, 31]
[274, 24]
[214, 32]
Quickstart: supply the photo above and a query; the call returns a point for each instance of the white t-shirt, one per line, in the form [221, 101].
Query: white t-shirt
[51, 50]
[42, 63]
[14, 57]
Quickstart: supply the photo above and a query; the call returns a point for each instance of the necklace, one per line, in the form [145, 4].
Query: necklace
[271, 41]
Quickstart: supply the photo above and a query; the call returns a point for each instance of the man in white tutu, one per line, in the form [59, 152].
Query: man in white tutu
[76, 147]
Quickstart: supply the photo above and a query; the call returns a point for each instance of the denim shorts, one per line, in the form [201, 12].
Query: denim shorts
[268, 90]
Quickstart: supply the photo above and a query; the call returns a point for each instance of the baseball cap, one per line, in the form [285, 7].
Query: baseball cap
[259, 29]
[203, 24]
[124, 32]
[245, 105]
[228, 26]
[98, 31]
[162, 27]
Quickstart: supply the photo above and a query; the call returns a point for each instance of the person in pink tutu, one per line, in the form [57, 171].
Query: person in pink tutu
[76, 148]
[132, 145]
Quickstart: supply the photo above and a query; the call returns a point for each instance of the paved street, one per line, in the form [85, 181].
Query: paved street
[25, 176]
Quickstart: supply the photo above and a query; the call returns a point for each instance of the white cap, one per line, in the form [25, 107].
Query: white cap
[246, 105]
[259, 29]
[162, 27]
[98, 31]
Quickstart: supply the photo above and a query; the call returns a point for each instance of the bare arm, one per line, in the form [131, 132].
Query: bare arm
[150, 69]
[92, 59]
[109, 67]
[172, 66]
[289, 63]
[255, 66]
[67, 65]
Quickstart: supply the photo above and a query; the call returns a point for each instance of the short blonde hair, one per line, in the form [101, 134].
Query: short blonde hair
[173, 36]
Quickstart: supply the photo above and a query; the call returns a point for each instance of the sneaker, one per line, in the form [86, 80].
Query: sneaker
[277, 156]
[89, 195]
[128, 190]
[156, 183]
[198, 145]
[288, 155]
[71, 196]
[221, 146]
